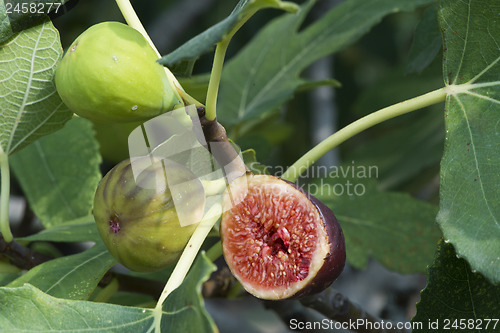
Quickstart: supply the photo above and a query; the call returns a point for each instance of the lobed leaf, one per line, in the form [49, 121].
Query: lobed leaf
[469, 212]
[29, 104]
[60, 172]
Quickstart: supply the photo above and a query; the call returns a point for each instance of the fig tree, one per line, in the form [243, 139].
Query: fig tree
[138, 214]
[279, 241]
[110, 74]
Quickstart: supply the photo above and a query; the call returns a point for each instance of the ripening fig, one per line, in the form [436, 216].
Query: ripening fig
[110, 74]
[279, 241]
[138, 207]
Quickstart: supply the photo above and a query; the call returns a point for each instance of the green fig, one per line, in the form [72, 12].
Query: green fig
[146, 210]
[110, 74]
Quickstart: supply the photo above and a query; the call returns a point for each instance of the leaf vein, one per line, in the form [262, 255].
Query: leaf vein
[75, 269]
[479, 177]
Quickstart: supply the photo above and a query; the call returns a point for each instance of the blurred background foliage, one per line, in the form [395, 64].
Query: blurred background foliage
[373, 73]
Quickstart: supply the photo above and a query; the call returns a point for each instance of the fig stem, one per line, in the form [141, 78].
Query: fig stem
[222, 149]
[4, 197]
[215, 76]
[214, 187]
[187, 258]
[220, 54]
[216, 73]
[133, 20]
[309, 158]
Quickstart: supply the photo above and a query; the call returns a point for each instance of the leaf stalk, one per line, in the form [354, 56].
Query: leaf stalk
[133, 20]
[309, 158]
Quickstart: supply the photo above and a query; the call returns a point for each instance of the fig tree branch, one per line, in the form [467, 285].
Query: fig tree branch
[21, 256]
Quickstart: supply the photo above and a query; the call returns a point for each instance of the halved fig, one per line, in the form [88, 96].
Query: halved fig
[279, 241]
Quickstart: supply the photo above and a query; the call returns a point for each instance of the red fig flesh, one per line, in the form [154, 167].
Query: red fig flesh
[279, 241]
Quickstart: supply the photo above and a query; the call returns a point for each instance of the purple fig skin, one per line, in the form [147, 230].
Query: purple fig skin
[255, 223]
[335, 261]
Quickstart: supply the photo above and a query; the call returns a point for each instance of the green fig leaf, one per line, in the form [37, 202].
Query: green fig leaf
[73, 277]
[469, 211]
[130, 299]
[60, 172]
[202, 43]
[456, 299]
[265, 74]
[27, 308]
[250, 159]
[16, 16]
[392, 227]
[29, 104]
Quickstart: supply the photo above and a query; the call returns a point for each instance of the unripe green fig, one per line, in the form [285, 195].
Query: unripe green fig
[110, 74]
[146, 210]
